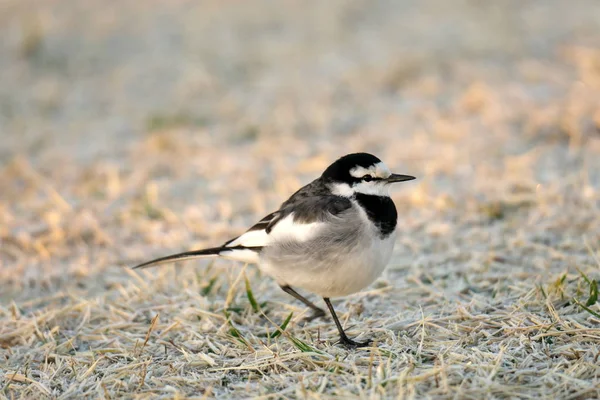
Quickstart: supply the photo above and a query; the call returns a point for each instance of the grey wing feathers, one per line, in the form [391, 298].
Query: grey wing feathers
[312, 203]
[314, 209]
[306, 209]
[316, 188]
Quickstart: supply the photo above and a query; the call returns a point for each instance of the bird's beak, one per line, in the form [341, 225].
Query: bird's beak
[393, 178]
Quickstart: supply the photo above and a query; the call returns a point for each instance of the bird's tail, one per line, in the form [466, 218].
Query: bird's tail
[188, 255]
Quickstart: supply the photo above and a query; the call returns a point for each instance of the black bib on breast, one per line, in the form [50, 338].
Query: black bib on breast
[381, 210]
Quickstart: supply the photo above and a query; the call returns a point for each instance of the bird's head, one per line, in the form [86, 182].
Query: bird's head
[360, 173]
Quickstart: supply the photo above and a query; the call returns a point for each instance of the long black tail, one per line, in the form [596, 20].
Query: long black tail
[188, 255]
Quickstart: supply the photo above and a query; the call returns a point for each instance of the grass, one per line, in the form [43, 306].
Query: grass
[492, 291]
[518, 318]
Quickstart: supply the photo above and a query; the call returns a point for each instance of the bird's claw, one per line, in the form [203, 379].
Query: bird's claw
[351, 344]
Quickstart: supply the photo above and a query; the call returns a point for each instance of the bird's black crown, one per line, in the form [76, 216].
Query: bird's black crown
[339, 171]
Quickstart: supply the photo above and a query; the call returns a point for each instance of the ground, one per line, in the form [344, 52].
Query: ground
[131, 130]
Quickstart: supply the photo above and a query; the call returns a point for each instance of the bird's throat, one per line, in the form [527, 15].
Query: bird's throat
[381, 210]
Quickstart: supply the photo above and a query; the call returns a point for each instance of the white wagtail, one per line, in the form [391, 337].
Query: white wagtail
[333, 237]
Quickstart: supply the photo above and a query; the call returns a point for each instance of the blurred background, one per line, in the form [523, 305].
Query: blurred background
[129, 129]
[134, 129]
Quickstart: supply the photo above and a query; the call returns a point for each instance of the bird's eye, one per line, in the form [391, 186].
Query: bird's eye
[367, 178]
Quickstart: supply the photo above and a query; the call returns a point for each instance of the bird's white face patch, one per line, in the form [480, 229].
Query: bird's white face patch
[374, 187]
[342, 189]
[378, 170]
[377, 188]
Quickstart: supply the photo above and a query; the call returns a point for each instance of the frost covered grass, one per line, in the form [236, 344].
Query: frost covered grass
[493, 288]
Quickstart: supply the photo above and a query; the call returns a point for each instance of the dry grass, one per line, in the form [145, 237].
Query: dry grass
[111, 156]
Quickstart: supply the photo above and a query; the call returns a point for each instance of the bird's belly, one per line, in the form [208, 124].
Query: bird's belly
[333, 274]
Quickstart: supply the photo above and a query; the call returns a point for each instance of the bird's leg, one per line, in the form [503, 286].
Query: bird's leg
[317, 312]
[344, 340]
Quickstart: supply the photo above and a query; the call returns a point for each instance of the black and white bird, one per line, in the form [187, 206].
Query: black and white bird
[333, 237]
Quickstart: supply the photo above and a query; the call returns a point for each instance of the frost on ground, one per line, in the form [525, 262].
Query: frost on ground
[131, 131]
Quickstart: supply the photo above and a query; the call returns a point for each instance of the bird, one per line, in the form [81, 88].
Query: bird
[333, 237]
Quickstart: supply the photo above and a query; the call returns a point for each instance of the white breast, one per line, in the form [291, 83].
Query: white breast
[363, 268]
[340, 258]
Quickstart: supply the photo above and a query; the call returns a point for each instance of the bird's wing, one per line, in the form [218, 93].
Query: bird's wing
[313, 209]
[297, 220]
[248, 245]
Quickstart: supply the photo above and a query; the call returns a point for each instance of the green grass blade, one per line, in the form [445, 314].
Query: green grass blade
[589, 282]
[300, 345]
[303, 347]
[594, 313]
[593, 293]
[251, 298]
[233, 331]
[282, 327]
[208, 288]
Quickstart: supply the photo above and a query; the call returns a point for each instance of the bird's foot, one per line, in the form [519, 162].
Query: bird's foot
[351, 344]
[318, 313]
